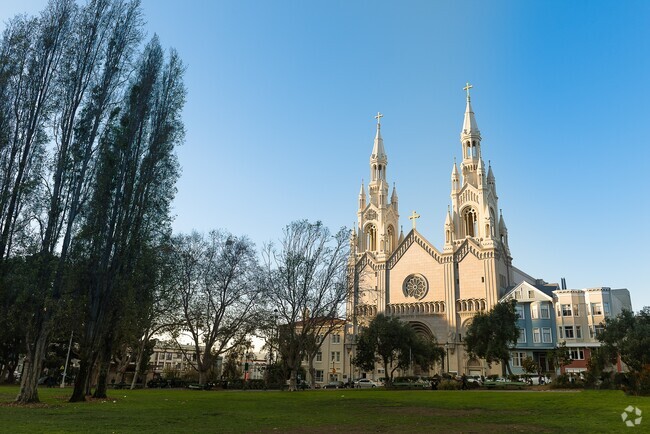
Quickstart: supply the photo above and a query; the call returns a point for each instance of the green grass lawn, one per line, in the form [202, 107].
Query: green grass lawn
[324, 411]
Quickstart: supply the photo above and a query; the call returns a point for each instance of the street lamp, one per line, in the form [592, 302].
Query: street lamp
[348, 347]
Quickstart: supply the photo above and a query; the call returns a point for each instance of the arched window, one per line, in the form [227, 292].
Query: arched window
[470, 223]
[390, 239]
[371, 237]
[494, 223]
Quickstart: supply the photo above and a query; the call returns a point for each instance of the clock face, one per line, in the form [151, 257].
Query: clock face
[416, 286]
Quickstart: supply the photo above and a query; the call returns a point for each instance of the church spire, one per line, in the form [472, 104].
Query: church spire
[470, 127]
[378, 161]
[455, 179]
[378, 152]
[470, 139]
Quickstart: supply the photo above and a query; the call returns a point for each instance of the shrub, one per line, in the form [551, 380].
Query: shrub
[449, 385]
[566, 382]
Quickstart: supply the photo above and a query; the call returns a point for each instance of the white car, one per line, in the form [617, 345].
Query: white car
[365, 382]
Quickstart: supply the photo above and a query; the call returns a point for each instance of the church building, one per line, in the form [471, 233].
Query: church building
[436, 290]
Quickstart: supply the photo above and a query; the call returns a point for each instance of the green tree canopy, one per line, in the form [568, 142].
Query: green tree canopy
[629, 336]
[491, 334]
[395, 345]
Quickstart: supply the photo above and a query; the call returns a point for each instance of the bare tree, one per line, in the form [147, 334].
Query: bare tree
[306, 280]
[215, 285]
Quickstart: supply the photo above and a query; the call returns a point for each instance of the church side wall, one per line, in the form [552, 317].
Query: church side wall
[367, 290]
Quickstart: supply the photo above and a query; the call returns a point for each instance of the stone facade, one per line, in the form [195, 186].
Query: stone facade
[436, 290]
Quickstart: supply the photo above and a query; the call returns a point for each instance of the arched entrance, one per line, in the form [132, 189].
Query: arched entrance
[422, 330]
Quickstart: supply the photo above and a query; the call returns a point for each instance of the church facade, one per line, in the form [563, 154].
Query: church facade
[436, 290]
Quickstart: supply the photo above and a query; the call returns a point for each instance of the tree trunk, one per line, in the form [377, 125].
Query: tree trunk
[311, 372]
[31, 371]
[104, 365]
[79, 391]
[138, 363]
[506, 367]
[293, 379]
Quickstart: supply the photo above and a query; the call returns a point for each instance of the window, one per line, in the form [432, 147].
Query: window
[545, 312]
[537, 338]
[522, 336]
[566, 310]
[578, 332]
[560, 333]
[519, 310]
[568, 332]
[577, 354]
[168, 356]
[319, 375]
[606, 308]
[596, 309]
[599, 329]
[546, 335]
[517, 295]
[576, 310]
[336, 339]
[336, 355]
[534, 311]
[531, 293]
[319, 356]
[517, 358]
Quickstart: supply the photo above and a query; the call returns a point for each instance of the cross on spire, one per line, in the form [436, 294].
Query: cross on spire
[467, 88]
[413, 217]
[378, 117]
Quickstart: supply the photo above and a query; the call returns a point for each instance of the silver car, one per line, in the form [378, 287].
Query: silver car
[365, 382]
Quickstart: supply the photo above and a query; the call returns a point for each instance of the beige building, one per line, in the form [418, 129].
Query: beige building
[580, 315]
[436, 290]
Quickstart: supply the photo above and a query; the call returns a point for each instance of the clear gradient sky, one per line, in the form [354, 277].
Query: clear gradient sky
[282, 94]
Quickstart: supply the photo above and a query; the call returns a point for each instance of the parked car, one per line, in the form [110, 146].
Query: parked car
[334, 385]
[365, 382]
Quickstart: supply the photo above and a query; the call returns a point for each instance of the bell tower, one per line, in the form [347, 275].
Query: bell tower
[378, 216]
[474, 199]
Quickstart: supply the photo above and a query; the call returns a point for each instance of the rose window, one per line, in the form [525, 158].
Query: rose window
[415, 286]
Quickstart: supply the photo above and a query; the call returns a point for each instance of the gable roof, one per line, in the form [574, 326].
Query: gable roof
[541, 291]
[413, 237]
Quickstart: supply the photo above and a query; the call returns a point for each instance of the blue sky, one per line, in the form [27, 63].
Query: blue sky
[281, 99]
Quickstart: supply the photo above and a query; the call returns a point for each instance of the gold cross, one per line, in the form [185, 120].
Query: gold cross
[378, 117]
[413, 217]
[467, 88]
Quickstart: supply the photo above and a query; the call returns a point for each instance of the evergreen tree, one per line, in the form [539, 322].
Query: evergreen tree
[491, 334]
